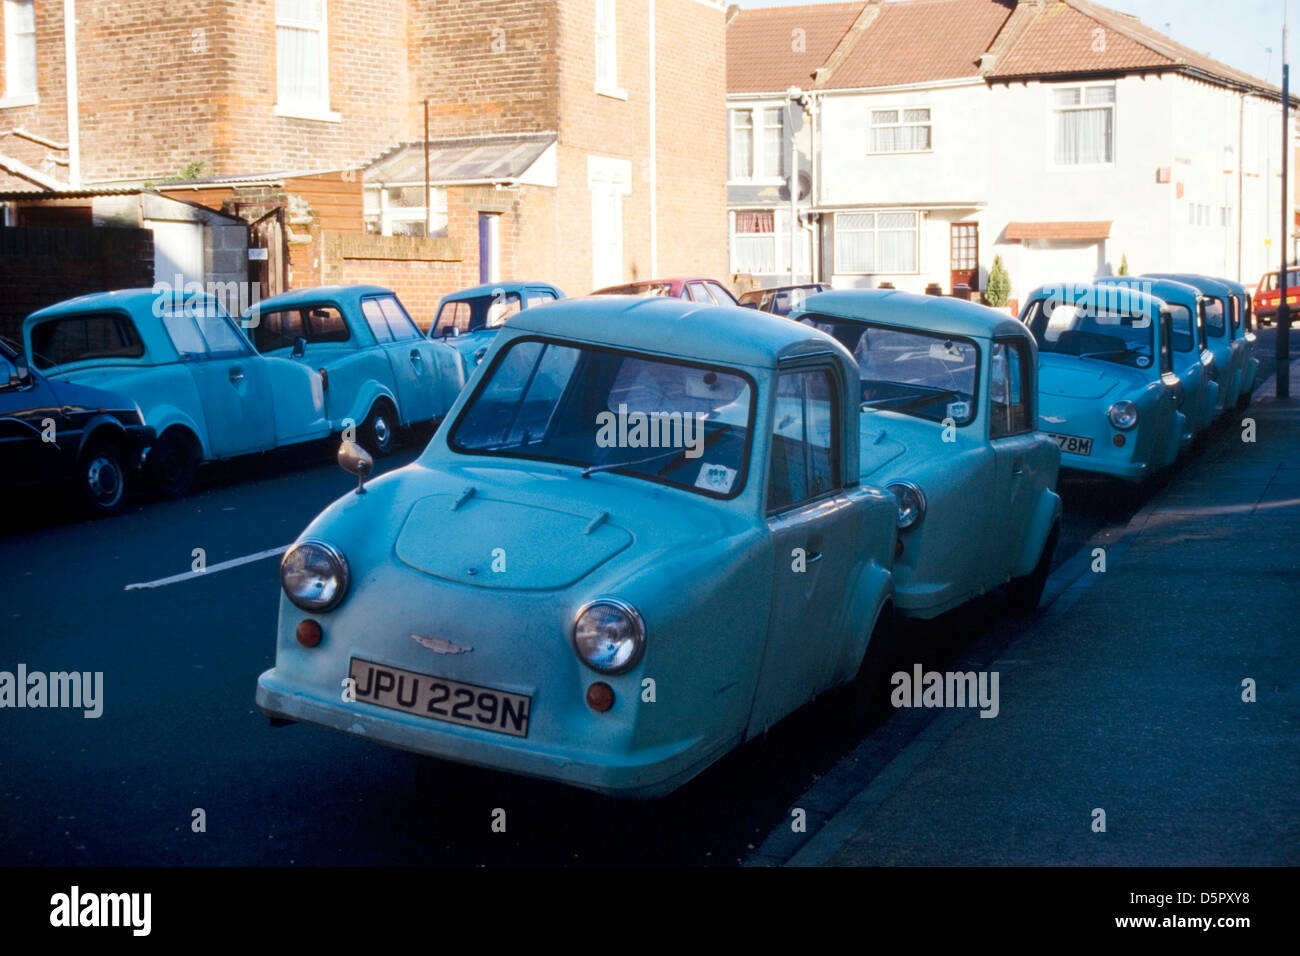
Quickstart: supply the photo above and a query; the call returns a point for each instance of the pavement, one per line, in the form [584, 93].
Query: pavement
[1127, 694]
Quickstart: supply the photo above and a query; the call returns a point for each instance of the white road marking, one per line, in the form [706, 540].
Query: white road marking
[223, 566]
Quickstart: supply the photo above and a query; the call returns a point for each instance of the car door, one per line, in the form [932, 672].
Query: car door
[230, 378]
[410, 358]
[813, 550]
[1018, 460]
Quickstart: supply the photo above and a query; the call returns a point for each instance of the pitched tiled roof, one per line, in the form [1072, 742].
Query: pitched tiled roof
[763, 46]
[1078, 36]
[922, 40]
[874, 44]
[1058, 230]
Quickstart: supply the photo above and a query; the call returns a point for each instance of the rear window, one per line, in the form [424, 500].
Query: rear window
[1214, 316]
[77, 338]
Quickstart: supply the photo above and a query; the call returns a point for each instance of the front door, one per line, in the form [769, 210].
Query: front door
[813, 547]
[965, 249]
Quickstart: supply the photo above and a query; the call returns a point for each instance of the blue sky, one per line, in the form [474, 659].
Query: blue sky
[1238, 32]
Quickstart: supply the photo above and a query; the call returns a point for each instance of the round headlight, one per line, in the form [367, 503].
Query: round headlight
[314, 575]
[911, 503]
[609, 636]
[1123, 415]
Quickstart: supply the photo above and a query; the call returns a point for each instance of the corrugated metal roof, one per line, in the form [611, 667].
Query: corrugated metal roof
[460, 160]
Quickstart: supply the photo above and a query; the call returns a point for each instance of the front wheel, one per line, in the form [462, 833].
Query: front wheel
[101, 478]
[1024, 593]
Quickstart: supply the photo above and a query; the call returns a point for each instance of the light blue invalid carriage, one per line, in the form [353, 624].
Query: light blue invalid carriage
[1107, 389]
[189, 366]
[637, 540]
[468, 320]
[378, 370]
[948, 396]
[1193, 362]
[1229, 322]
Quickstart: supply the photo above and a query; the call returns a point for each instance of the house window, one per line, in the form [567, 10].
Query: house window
[606, 48]
[758, 144]
[900, 131]
[400, 211]
[1085, 125]
[20, 48]
[760, 243]
[876, 243]
[302, 59]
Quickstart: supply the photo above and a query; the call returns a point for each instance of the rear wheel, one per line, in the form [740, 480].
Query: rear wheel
[1243, 401]
[378, 432]
[172, 463]
[101, 477]
[1024, 593]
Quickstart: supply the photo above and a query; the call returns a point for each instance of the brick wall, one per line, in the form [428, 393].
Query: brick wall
[39, 267]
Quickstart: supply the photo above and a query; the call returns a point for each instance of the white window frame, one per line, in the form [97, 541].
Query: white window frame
[606, 38]
[15, 92]
[780, 238]
[838, 267]
[758, 171]
[872, 126]
[1053, 109]
[376, 204]
[313, 111]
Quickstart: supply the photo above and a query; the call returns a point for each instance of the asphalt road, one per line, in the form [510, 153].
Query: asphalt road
[179, 731]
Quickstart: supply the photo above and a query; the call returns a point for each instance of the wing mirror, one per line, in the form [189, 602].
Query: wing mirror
[355, 460]
[299, 347]
[450, 332]
[21, 373]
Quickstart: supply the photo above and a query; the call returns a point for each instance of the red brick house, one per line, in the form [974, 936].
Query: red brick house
[569, 140]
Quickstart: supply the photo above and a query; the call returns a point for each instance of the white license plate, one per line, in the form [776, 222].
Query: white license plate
[1073, 444]
[440, 699]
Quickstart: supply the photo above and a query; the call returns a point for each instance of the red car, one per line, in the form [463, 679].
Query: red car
[706, 291]
[1267, 298]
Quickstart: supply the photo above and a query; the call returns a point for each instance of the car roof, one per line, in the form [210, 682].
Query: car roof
[1123, 297]
[488, 288]
[909, 310]
[1207, 284]
[319, 293]
[721, 334]
[1161, 288]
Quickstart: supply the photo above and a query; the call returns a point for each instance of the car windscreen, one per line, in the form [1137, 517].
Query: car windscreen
[677, 423]
[279, 329]
[1096, 330]
[926, 375]
[92, 335]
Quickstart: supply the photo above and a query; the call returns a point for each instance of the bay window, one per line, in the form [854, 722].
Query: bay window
[876, 243]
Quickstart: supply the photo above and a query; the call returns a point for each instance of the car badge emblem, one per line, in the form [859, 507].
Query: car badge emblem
[440, 645]
[1054, 419]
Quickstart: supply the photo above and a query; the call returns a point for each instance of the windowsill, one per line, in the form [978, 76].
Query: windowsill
[900, 152]
[614, 93]
[19, 99]
[308, 113]
[1080, 167]
[775, 181]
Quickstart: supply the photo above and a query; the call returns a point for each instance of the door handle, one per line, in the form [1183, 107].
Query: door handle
[236, 375]
[1017, 468]
[814, 557]
[416, 356]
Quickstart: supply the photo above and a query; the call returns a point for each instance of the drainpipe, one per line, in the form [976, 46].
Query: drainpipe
[70, 73]
[1241, 160]
[654, 153]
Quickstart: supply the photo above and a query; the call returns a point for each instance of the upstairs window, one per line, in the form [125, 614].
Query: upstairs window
[758, 144]
[20, 48]
[900, 131]
[1085, 125]
[606, 49]
[301, 55]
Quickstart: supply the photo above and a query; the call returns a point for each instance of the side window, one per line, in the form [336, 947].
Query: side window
[453, 315]
[375, 319]
[1009, 401]
[184, 334]
[222, 340]
[698, 293]
[325, 324]
[805, 442]
[720, 295]
[7, 370]
[539, 297]
[1235, 305]
[77, 338]
[399, 323]
[276, 330]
